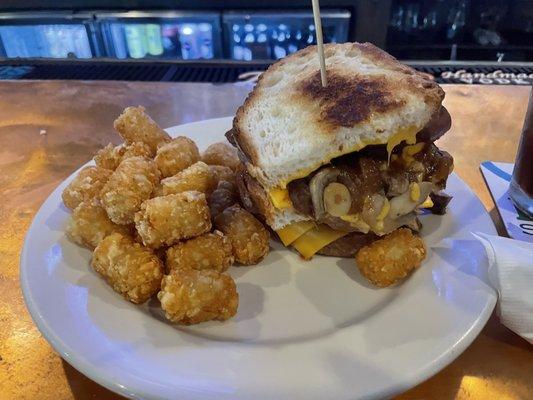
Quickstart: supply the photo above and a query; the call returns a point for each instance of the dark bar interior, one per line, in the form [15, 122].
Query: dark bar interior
[459, 41]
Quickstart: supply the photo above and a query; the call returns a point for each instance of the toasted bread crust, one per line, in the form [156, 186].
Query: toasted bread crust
[253, 197]
[348, 100]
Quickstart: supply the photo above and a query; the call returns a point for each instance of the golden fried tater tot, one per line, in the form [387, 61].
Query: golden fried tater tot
[208, 251]
[108, 157]
[137, 149]
[167, 219]
[89, 224]
[134, 125]
[131, 269]
[223, 173]
[158, 191]
[159, 252]
[85, 186]
[249, 238]
[391, 258]
[221, 153]
[176, 155]
[197, 177]
[111, 156]
[132, 182]
[190, 296]
[221, 199]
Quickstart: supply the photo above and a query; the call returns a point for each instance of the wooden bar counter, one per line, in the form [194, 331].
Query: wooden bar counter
[48, 129]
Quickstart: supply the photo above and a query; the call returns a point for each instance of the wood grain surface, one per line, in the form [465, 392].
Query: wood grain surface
[48, 129]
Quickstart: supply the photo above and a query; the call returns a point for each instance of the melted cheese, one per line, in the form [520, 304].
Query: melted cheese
[428, 203]
[315, 239]
[290, 233]
[280, 198]
[414, 191]
[384, 211]
[356, 221]
[413, 149]
[302, 173]
[408, 134]
[409, 151]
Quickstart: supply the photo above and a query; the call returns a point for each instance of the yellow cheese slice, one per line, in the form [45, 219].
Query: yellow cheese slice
[315, 239]
[280, 198]
[290, 233]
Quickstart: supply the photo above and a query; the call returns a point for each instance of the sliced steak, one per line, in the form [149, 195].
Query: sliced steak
[437, 126]
[440, 202]
[301, 196]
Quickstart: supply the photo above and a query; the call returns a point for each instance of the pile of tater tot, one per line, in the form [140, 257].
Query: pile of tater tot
[164, 219]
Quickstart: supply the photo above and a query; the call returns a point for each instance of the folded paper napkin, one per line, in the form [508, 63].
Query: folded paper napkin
[511, 274]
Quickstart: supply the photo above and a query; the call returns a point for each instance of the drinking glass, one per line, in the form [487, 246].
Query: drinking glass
[521, 189]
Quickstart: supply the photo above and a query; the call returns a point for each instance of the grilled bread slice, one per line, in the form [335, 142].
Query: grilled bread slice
[290, 125]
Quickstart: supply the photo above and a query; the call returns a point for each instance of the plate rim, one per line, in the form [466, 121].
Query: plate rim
[93, 372]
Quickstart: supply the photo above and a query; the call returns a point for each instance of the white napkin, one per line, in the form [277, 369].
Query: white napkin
[511, 274]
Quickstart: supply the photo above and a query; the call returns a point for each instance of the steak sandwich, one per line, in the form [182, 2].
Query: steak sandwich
[331, 169]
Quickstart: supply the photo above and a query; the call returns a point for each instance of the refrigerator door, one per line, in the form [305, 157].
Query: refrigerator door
[273, 35]
[44, 35]
[161, 35]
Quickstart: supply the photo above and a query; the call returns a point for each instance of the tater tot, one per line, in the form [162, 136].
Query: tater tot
[208, 251]
[197, 177]
[132, 182]
[137, 149]
[167, 219]
[131, 269]
[158, 191]
[249, 238]
[134, 125]
[176, 155]
[89, 224]
[223, 173]
[221, 153]
[111, 156]
[221, 199]
[85, 186]
[108, 157]
[190, 296]
[391, 258]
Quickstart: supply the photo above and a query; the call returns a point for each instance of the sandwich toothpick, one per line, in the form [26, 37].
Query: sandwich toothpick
[319, 42]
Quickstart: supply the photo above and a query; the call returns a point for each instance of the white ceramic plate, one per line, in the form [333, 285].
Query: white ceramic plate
[304, 330]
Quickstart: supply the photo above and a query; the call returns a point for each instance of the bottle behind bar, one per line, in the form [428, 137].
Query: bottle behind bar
[153, 39]
[136, 40]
